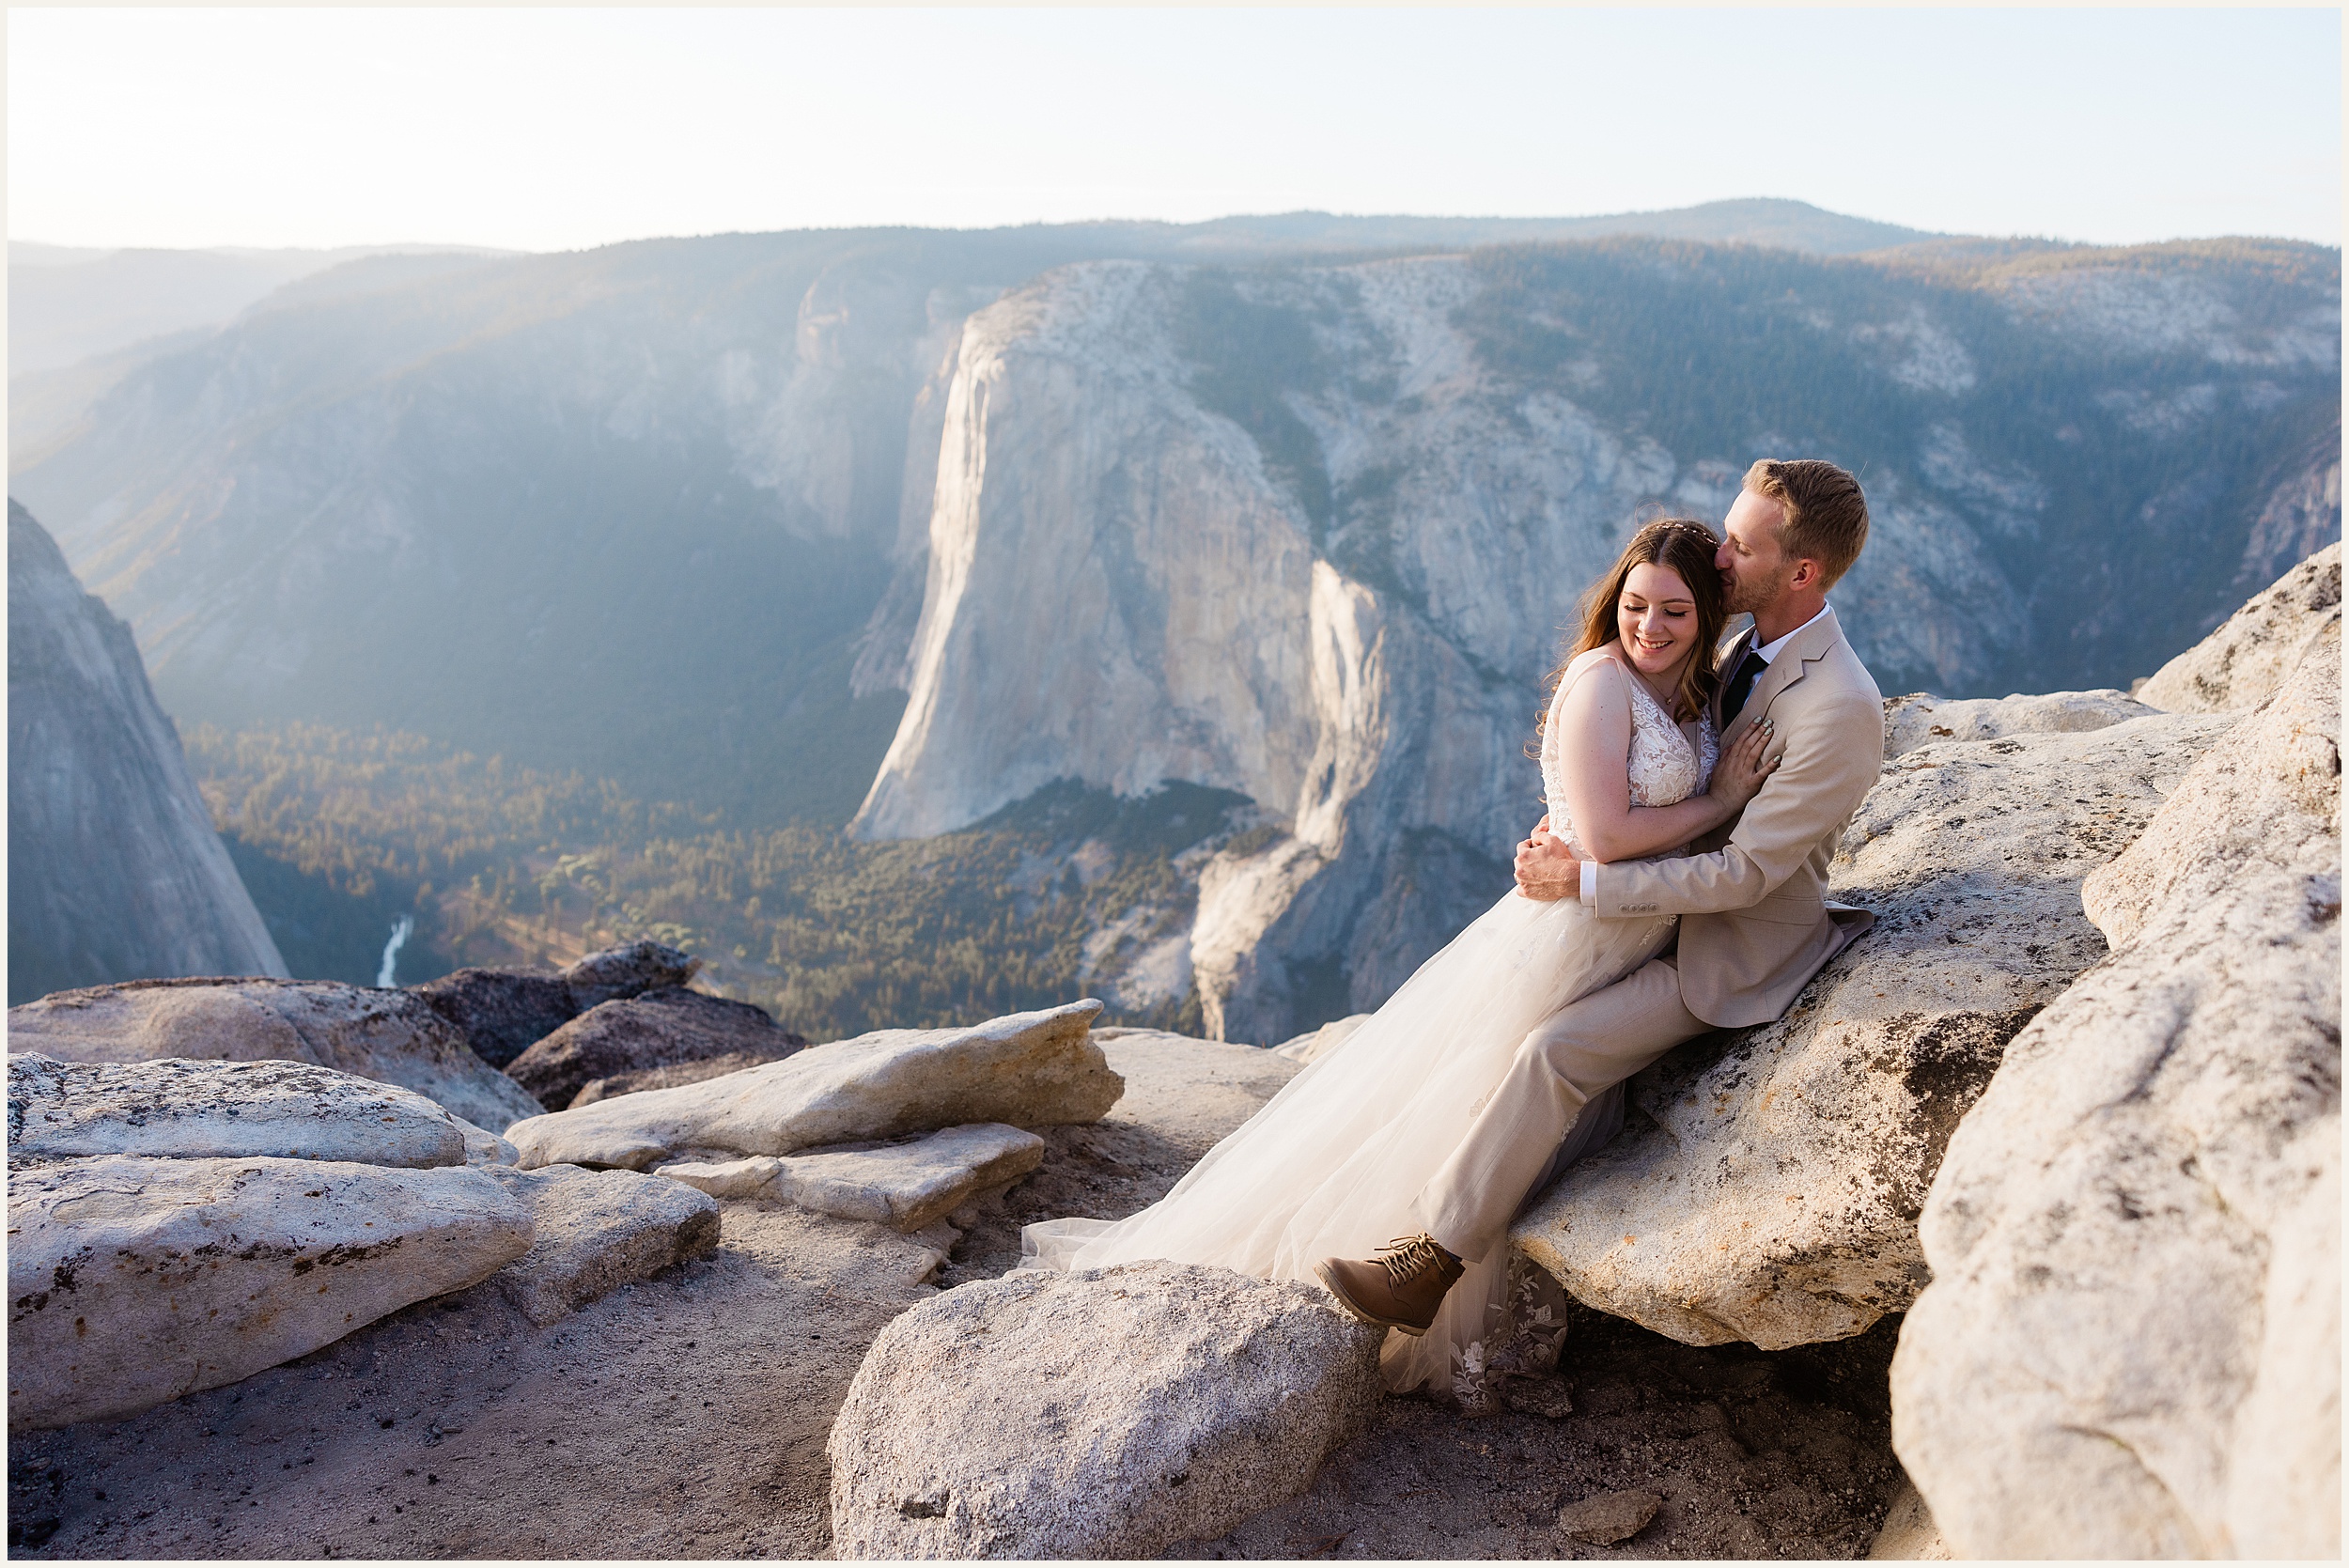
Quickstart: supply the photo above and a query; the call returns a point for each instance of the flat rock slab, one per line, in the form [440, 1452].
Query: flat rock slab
[594, 1230]
[2131, 1346]
[390, 1036]
[659, 1029]
[1191, 1091]
[1108, 1413]
[1771, 1193]
[223, 1109]
[1921, 718]
[132, 1280]
[1028, 1069]
[905, 1186]
[673, 1075]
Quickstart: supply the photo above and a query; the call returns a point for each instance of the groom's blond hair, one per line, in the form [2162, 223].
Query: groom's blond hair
[1826, 514]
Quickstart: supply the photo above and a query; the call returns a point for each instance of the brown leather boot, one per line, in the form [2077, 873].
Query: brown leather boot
[1401, 1288]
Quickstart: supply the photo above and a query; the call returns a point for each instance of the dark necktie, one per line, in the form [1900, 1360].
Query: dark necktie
[1740, 687]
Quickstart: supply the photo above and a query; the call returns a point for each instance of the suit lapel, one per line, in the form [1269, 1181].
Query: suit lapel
[1732, 653]
[1809, 648]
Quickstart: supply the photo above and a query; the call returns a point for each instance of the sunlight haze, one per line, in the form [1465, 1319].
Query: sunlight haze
[549, 129]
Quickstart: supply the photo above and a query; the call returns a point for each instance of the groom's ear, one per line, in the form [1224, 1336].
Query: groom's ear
[1808, 574]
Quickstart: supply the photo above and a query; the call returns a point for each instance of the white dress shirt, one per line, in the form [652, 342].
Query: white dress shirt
[1767, 652]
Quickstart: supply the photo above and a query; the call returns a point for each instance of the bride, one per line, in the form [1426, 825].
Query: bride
[1629, 770]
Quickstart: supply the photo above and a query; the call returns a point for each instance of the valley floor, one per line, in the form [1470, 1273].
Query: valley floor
[686, 1417]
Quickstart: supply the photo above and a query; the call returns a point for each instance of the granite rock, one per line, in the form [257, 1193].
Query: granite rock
[1108, 1413]
[905, 1186]
[390, 1036]
[501, 1012]
[132, 1280]
[1770, 1191]
[629, 970]
[2131, 1346]
[1028, 1069]
[204, 1110]
[664, 1028]
[1920, 719]
[594, 1230]
[2251, 656]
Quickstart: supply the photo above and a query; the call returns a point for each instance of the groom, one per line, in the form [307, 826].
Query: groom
[1752, 898]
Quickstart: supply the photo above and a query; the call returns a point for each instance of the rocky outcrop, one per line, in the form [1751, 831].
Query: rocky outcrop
[594, 1230]
[907, 1186]
[1110, 1413]
[625, 1039]
[2131, 1343]
[114, 870]
[134, 1279]
[503, 1012]
[221, 1109]
[2237, 666]
[1921, 718]
[390, 1036]
[1028, 1069]
[1771, 1192]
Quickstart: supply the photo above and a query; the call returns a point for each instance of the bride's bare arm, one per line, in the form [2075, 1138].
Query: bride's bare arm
[1597, 716]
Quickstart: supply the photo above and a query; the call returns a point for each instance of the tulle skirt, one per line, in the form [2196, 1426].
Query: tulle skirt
[1329, 1166]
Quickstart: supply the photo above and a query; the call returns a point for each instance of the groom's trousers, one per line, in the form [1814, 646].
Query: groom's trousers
[1566, 1061]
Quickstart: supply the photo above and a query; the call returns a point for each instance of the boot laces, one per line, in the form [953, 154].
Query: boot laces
[1405, 1258]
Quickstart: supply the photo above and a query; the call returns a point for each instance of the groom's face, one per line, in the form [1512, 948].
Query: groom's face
[1754, 567]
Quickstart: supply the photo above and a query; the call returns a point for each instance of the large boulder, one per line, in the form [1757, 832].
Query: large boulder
[2237, 666]
[629, 970]
[1921, 718]
[594, 1230]
[905, 1186]
[390, 1036]
[199, 1109]
[1110, 1413]
[2131, 1346]
[667, 1028]
[501, 1013]
[132, 1280]
[1028, 1069]
[1770, 1192]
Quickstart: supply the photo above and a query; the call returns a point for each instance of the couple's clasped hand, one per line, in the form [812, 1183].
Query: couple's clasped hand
[1546, 866]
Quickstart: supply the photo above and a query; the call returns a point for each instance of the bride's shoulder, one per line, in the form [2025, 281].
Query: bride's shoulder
[1598, 672]
[1595, 659]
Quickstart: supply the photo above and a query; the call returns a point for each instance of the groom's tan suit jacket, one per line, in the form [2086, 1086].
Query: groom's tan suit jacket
[1754, 921]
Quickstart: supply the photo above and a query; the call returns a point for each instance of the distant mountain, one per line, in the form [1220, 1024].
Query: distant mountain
[115, 871]
[66, 303]
[916, 523]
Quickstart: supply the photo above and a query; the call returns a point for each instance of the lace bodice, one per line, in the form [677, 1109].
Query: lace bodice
[1664, 767]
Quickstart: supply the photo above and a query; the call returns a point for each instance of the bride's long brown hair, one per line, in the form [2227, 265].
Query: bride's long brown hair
[1682, 545]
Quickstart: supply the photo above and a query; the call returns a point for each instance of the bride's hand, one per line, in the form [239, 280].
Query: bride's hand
[1738, 776]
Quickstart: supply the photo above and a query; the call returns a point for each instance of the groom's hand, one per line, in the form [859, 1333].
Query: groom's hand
[1547, 869]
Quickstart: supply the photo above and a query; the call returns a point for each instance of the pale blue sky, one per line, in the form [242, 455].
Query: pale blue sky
[548, 129]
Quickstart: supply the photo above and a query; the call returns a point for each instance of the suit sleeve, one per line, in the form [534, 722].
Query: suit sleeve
[1828, 762]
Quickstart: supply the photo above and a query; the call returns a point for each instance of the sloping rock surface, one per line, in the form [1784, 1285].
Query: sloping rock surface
[676, 1075]
[594, 1230]
[1770, 1193]
[2131, 1346]
[1109, 1413]
[501, 1013]
[132, 1280]
[2239, 664]
[116, 871]
[1028, 1069]
[659, 1029]
[903, 1185]
[200, 1109]
[1921, 718]
[390, 1036]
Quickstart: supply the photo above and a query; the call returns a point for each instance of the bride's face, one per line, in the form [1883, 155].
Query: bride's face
[1657, 617]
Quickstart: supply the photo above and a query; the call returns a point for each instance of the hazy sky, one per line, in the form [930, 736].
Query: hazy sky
[549, 129]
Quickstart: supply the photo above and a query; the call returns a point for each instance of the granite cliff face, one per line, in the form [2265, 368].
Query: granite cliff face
[115, 871]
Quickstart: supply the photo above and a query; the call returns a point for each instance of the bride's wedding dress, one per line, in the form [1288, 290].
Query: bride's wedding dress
[1329, 1166]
